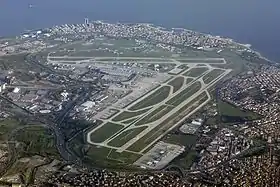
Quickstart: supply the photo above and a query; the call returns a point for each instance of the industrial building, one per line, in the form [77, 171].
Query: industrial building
[2, 86]
[160, 155]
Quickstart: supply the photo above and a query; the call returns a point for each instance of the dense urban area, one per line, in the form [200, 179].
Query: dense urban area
[101, 104]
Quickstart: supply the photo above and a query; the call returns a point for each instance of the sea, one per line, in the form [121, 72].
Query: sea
[254, 22]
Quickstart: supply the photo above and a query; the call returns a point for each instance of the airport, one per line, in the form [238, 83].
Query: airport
[139, 119]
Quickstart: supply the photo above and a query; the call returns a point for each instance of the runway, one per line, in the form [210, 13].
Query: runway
[154, 124]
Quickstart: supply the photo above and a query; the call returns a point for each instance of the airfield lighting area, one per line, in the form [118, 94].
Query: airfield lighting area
[138, 121]
[136, 105]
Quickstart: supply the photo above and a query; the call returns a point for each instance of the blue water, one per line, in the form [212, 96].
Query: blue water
[248, 21]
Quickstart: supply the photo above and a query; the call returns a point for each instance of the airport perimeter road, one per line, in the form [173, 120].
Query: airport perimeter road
[154, 124]
[155, 107]
[204, 87]
[170, 93]
[154, 60]
[174, 111]
[33, 87]
[179, 122]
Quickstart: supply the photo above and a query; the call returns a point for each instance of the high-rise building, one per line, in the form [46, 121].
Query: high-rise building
[2, 86]
[86, 22]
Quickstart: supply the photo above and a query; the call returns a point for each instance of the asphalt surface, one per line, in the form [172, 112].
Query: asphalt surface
[61, 142]
[152, 125]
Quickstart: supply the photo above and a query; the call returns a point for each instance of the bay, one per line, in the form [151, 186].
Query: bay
[247, 21]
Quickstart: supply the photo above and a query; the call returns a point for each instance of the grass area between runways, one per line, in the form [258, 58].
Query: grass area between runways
[177, 83]
[189, 80]
[195, 72]
[212, 75]
[127, 115]
[104, 132]
[184, 94]
[155, 115]
[125, 136]
[129, 121]
[156, 97]
[168, 123]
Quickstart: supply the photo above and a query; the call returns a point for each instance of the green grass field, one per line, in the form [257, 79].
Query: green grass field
[186, 159]
[180, 139]
[226, 109]
[188, 80]
[108, 158]
[151, 136]
[195, 72]
[155, 115]
[169, 122]
[200, 65]
[200, 61]
[129, 121]
[6, 126]
[184, 94]
[212, 61]
[212, 75]
[98, 156]
[38, 141]
[127, 115]
[158, 96]
[124, 157]
[125, 136]
[177, 83]
[145, 59]
[92, 53]
[26, 168]
[74, 60]
[188, 60]
[105, 132]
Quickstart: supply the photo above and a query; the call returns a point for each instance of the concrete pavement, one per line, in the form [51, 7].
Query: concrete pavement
[193, 63]
[176, 109]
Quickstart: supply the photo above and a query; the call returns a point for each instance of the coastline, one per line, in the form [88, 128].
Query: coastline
[245, 45]
[248, 47]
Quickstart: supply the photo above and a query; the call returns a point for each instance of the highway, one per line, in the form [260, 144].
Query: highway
[59, 137]
[33, 87]
[61, 142]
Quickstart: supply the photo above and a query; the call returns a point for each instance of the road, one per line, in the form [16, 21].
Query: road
[61, 143]
[59, 137]
[142, 58]
[89, 60]
[33, 87]
[155, 107]
[154, 124]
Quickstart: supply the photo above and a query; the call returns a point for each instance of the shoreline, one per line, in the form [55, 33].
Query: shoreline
[247, 46]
